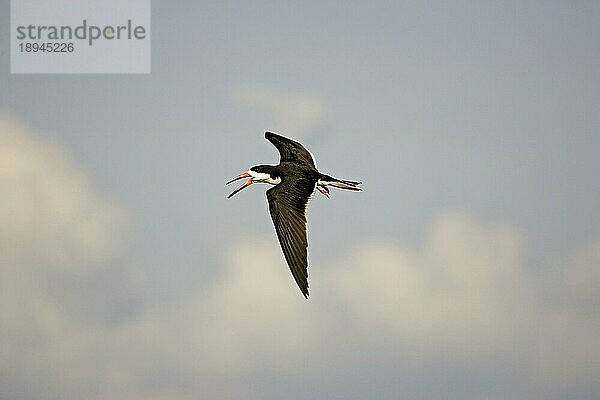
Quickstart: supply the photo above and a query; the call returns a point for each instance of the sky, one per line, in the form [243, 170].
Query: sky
[468, 268]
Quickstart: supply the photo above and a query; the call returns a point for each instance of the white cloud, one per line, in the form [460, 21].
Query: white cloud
[52, 220]
[50, 213]
[247, 322]
[568, 347]
[452, 291]
[292, 114]
[463, 296]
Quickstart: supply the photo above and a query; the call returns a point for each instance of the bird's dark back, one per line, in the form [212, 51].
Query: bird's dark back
[295, 170]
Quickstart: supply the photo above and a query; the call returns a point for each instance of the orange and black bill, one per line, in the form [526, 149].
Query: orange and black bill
[240, 176]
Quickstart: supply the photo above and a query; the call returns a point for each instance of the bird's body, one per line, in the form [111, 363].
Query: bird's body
[294, 180]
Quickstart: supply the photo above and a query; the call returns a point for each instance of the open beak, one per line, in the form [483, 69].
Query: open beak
[245, 185]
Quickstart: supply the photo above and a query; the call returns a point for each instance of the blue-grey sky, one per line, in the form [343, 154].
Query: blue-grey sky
[467, 269]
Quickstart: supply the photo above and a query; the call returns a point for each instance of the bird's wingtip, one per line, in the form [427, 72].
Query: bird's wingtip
[272, 135]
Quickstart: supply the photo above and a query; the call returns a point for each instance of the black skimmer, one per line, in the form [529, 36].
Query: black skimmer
[294, 181]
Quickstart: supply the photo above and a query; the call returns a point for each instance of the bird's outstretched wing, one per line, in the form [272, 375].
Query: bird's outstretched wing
[287, 205]
[290, 150]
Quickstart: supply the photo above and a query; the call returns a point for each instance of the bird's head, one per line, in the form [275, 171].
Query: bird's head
[256, 174]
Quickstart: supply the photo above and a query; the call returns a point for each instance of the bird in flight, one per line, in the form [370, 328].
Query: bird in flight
[294, 181]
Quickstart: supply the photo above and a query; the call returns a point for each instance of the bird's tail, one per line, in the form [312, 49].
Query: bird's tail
[327, 180]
